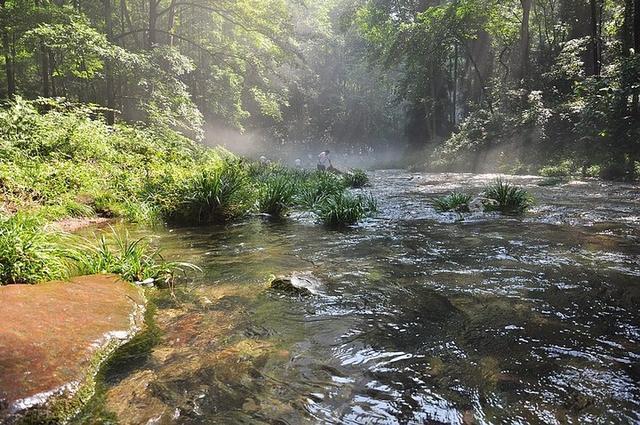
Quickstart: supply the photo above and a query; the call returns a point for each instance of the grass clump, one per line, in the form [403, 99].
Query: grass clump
[316, 188]
[356, 179]
[345, 209]
[29, 253]
[276, 195]
[455, 201]
[133, 260]
[215, 195]
[509, 199]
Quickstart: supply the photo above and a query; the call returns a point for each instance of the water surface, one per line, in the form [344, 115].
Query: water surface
[423, 317]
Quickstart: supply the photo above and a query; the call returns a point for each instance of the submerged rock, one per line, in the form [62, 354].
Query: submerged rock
[300, 284]
[53, 338]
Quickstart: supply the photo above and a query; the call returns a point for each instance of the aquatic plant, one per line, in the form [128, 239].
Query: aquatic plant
[509, 199]
[345, 209]
[214, 195]
[356, 178]
[316, 188]
[275, 196]
[133, 260]
[455, 201]
[29, 252]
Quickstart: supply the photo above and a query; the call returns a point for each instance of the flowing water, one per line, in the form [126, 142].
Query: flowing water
[422, 317]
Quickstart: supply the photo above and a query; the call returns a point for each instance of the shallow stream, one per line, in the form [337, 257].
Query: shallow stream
[422, 317]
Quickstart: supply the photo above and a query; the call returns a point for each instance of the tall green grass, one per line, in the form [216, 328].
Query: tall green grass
[509, 199]
[216, 195]
[133, 260]
[356, 178]
[316, 188]
[455, 201]
[29, 253]
[276, 195]
[345, 209]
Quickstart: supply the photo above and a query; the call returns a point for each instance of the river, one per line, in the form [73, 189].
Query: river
[422, 317]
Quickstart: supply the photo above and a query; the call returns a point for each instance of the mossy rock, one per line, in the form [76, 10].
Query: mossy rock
[297, 284]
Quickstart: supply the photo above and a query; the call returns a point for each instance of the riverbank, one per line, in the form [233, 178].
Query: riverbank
[54, 338]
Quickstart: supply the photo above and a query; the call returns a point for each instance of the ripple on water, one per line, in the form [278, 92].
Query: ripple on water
[423, 318]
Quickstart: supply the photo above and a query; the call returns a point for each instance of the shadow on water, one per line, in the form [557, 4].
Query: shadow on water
[422, 318]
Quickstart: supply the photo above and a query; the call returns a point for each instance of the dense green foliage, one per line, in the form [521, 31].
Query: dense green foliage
[514, 85]
[455, 201]
[65, 163]
[28, 252]
[509, 199]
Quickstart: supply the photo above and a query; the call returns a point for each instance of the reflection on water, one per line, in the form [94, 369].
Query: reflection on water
[424, 317]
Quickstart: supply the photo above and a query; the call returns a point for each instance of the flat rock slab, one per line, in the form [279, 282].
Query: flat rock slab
[54, 335]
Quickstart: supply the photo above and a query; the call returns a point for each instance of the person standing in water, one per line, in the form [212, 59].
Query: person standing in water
[324, 162]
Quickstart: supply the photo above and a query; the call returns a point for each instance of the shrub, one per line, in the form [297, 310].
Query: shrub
[592, 171]
[29, 253]
[455, 201]
[275, 197]
[345, 209]
[356, 179]
[133, 260]
[214, 196]
[562, 169]
[509, 199]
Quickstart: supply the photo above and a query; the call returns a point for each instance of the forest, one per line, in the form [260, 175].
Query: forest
[319, 212]
[471, 85]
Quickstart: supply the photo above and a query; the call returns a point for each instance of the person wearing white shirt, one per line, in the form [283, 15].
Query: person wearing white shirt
[324, 162]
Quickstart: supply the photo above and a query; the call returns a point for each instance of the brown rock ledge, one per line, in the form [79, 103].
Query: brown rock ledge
[53, 338]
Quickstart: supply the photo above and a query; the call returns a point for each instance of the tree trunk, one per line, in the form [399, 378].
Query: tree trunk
[524, 39]
[170, 22]
[44, 70]
[595, 38]
[635, 107]
[626, 32]
[455, 85]
[44, 64]
[110, 115]
[52, 67]
[152, 35]
[8, 59]
[636, 26]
